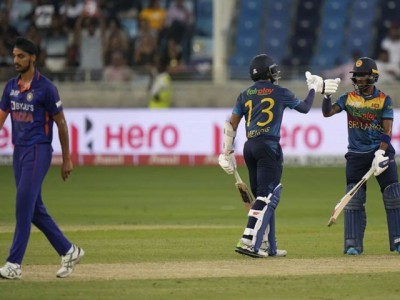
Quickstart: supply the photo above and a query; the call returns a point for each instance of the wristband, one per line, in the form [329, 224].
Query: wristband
[386, 138]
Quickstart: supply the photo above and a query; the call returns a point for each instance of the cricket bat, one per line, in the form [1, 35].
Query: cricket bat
[244, 191]
[346, 198]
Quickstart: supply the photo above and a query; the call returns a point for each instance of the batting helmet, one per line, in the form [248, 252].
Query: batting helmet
[365, 66]
[262, 67]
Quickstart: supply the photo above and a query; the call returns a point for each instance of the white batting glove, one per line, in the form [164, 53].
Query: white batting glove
[227, 162]
[330, 86]
[380, 162]
[314, 82]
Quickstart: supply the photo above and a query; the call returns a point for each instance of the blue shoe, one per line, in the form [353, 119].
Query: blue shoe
[352, 251]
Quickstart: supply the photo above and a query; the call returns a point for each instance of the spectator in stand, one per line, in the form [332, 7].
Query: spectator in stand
[116, 39]
[155, 15]
[8, 33]
[6, 5]
[388, 72]
[43, 15]
[91, 8]
[160, 86]
[118, 70]
[56, 47]
[145, 45]
[179, 27]
[34, 35]
[122, 9]
[174, 59]
[70, 11]
[6, 62]
[89, 41]
[391, 43]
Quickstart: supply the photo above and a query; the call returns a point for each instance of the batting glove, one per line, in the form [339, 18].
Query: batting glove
[380, 162]
[314, 82]
[330, 86]
[227, 162]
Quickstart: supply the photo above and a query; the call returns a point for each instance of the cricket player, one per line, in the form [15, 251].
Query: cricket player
[369, 126]
[262, 104]
[33, 103]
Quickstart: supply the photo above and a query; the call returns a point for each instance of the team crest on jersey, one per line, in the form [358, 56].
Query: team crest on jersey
[29, 97]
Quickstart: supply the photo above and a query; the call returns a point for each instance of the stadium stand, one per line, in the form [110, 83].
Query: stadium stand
[304, 33]
[363, 16]
[331, 35]
[278, 19]
[389, 15]
[248, 31]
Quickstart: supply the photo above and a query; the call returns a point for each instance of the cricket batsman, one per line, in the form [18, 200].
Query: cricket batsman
[262, 104]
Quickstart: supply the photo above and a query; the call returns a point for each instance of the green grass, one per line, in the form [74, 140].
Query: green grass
[194, 214]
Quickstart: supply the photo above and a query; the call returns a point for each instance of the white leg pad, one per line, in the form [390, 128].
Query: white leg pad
[259, 215]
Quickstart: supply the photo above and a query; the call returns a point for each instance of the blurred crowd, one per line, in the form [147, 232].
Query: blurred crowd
[99, 39]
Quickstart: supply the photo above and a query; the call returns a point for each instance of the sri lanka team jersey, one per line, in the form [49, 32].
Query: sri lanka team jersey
[364, 119]
[262, 105]
[31, 110]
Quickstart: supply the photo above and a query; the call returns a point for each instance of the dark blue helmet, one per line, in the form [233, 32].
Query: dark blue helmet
[262, 67]
[364, 66]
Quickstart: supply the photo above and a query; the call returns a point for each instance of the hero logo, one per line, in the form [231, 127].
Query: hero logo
[137, 137]
[309, 136]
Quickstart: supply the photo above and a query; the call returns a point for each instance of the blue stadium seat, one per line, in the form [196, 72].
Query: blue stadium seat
[277, 28]
[331, 37]
[248, 32]
[360, 35]
[302, 42]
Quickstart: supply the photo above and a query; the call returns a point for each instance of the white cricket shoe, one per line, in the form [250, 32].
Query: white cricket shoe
[245, 247]
[69, 260]
[11, 271]
[279, 252]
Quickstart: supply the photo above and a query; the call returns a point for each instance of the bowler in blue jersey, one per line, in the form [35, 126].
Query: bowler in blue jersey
[369, 126]
[262, 105]
[34, 105]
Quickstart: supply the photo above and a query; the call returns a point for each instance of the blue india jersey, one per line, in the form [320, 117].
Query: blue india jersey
[364, 119]
[31, 110]
[262, 105]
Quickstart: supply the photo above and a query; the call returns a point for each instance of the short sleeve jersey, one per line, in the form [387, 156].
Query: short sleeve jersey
[364, 119]
[262, 105]
[31, 110]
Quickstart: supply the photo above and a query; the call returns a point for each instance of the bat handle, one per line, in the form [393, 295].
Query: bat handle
[237, 176]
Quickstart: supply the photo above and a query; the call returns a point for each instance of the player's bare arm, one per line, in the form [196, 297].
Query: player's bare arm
[235, 120]
[3, 117]
[67, 166]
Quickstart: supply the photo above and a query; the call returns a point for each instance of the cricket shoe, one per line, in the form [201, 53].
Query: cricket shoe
[11, 271]
[279, 252]
[245, 248]
[69, 260]
[353, 251]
